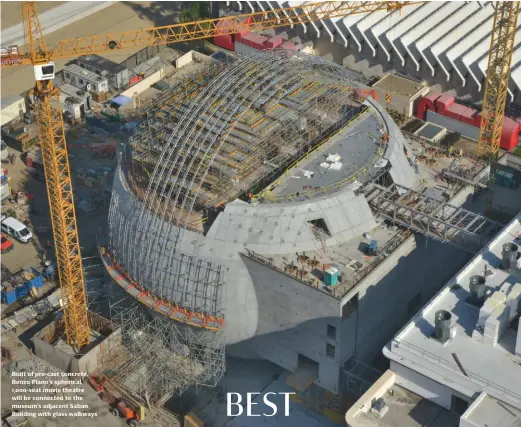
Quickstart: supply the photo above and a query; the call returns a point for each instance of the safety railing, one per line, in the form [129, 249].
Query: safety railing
[159, 305]
[269, 197]
[424, 354]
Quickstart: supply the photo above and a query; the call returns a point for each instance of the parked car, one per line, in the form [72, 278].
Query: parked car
[7, 245]
[15, 228]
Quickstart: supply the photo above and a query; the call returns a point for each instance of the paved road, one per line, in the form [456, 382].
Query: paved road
[119, 16]
[12, 11]
[54, 19]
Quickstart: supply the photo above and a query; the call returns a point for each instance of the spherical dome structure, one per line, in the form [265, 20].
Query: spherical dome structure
[211, 176]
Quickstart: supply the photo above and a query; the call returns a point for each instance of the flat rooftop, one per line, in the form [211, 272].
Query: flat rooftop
[358, 148]
[350, 257]
[395, 84]
[429, 131]
[495, 371]
[488, 410]
[407, 409]
[103, 63]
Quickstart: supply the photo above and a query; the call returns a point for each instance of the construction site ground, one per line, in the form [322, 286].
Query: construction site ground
[256, 376]
[24, 360]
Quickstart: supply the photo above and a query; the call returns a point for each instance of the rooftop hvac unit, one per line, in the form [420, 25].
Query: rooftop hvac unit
[442, 325]
[510, 255]
[477, 290]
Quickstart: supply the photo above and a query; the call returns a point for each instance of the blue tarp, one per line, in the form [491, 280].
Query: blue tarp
[121, 100]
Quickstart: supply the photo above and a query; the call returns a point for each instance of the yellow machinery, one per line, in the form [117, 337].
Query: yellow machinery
[51, 135]
[50, 122]
[496, 85]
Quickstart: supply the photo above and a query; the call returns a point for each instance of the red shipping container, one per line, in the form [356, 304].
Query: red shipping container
[509, 135]
[224, 41]
[469, 116]
[426, 104]
[274, 42]
[455, 111]
[258, 42]
[477, 120]
[443, 103]
[248, 39]
[288, 46]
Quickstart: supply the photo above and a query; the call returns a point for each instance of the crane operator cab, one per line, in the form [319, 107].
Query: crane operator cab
[15, 228]
[44, 71]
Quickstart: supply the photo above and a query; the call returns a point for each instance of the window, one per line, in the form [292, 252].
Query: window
[67, 76]
[331, 331]
[81, 81]
[350, 307]
[330, 351]
[414, 304]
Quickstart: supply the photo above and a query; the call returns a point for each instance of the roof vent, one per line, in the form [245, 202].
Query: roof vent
[510, 255]
[477, 290]
[442, 325]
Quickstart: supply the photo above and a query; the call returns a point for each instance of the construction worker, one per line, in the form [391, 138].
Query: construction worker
[461, 152]
[451, 150]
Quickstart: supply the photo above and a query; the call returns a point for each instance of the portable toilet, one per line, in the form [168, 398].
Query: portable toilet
[331, 276]
[372, 248]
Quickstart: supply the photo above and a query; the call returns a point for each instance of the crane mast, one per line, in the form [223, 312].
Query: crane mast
[496, 86]
[51, 135]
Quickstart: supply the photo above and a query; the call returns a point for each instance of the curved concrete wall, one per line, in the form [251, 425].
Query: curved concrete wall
[206, 274]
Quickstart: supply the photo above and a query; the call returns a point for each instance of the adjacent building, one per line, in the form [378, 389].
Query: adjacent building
[117, 75]
[462, 351]
[84, 79]
[13, 107]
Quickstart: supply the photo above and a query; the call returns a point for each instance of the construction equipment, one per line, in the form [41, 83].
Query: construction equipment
[496, 85]
[120, 403]
[51, 135]
[50, 121]
[180, 33]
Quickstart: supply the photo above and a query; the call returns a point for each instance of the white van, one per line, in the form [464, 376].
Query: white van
[15, 228]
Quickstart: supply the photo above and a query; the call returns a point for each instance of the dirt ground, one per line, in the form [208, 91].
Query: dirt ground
[22, 357]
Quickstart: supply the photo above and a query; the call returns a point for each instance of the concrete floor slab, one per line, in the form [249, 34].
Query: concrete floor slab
[256, 376]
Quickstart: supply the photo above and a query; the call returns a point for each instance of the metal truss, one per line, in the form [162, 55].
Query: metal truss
[431, 217]
[205, 144]
[473, 175]
[189, 31]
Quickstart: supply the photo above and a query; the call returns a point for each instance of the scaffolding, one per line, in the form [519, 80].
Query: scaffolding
[223, 131]
[157, 358]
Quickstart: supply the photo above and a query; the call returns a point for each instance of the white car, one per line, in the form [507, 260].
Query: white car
[15, 228]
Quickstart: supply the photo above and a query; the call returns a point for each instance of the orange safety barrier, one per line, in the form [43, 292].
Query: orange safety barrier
[173, 311]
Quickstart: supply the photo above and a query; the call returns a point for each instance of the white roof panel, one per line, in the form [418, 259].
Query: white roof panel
[466, 36]
[393, 19]
[445, 26]
[409, 39]
[405, 25]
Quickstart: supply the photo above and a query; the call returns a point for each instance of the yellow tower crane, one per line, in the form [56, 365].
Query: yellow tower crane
[51, 132]
[50, 123]
[51, 135]
[496, 86]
